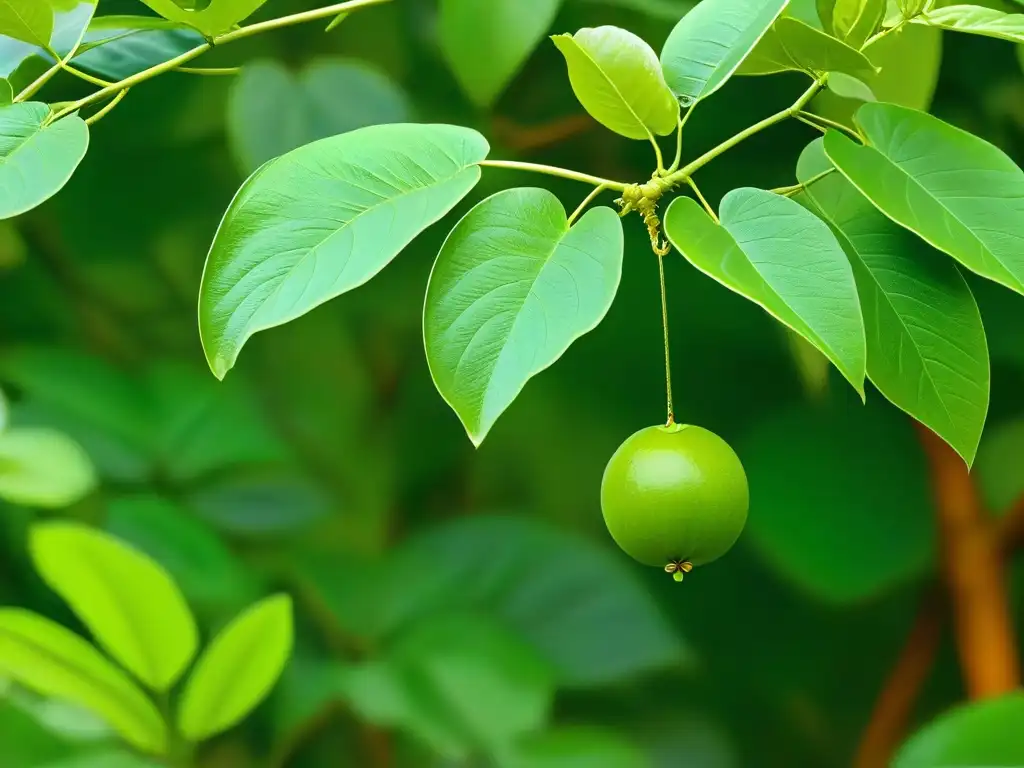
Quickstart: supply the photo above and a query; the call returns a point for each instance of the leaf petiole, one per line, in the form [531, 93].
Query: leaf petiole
[552, 170]
[587, 201]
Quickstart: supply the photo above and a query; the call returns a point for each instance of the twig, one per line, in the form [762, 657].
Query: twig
[527, 138]
[107, 109]
[1010, 528]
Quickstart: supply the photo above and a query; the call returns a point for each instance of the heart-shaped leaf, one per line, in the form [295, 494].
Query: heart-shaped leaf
[513, 287]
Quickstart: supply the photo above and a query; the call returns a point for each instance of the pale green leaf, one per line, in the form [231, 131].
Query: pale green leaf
[976, 20]
[926, 345]
[984, 734]
[513, 287]
[958, 192]
[848, 87]
[128, 602]
[910, 8]
[322, 220]
[47, 658]
[6, 93]
[30, 21]
[36, 161]
[121, 46]
[776, 253]
[617, 78]
[854, 21]
[272, 111]
[711, 41]
[218, 17]
[43, 468]
[487, 43]
[237, 670]
[71, 20]
[793, 45]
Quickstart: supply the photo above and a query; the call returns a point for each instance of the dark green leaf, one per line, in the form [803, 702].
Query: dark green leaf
[793, 45]
[774, 252]
[261, 503]
[926, 344]
[323, 220]
[43, 468]
[121, 46]
[997, 469]
[512, 288]
[576, 748]
[976, 20]
[6, 93]
[662, 10]
[958, 192]
[130, 604]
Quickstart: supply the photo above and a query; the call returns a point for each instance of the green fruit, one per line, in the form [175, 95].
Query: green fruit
[675, 496]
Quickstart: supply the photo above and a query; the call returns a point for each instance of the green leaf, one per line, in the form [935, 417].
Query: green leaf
[118, 47]
[984, 733]
[711, 41]
[30, 21]
[793, 45]
[976, 20]
[958, 192]
[461, 684]
[486, 44]
[617, 78]
[43, 468]
[323, 220]
[261, 503]
[6, 93]
[997, 469]
[661, 10]
[854, 21]
[47, 658]
[926, 345]
[513, 287]
[36, 160]
[238, 669]
[833, 484]
[576, 748]
[848, 87]
[71, 19]
[218, 17]
[127, 601]
[272, 111]
[106, 759]
[774, 252]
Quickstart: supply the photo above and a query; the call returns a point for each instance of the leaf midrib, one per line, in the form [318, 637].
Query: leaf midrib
[611, 83]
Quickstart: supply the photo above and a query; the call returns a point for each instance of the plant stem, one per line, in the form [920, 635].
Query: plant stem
[812, 117]
[679, 141]
[213, 71]
[107, 109]
[586, 201]
[664, 324]
[787, 191]
[658, 155]
[700, 197]
[86, 76]
[44, 78]
[552, 170]
[199, 50]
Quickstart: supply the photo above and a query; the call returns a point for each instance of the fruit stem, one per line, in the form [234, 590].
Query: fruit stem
[664, 325]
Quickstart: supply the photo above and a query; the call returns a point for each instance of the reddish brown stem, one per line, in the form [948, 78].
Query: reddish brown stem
[527, 138]
[1010, 528]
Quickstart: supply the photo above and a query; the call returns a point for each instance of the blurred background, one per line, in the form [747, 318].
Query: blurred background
[327, 465]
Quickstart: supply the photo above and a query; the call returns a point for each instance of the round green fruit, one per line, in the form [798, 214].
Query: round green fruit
[675, 496]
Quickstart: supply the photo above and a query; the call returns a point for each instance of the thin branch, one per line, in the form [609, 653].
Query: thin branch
[811, 117]
[1010, 528]
[792, 190]
[107, 109]
[210, 71]
[586, 201]
[527, 138]
[700, 197]
[657, 154]
[86, 76]
[552, 170]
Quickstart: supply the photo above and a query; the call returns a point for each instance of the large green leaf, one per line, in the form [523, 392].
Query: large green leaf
[958, 192]
[793, 45]
[926, 345]
[776, 253]
[30, 21]
[121, 46]
[43, 468]
[976, 20]
[617, 77]
[711, 41]
[272, 111]
[219, 16]
[53, 661]
[127, 601]
[36, 160]
[237, 670]
[71, 20]
[832, 484]
[981, 734]
[322, 220]
[513, 287]
[462, 684]
[486, 44]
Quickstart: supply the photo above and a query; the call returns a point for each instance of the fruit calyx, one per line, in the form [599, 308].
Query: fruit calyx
[679, 568]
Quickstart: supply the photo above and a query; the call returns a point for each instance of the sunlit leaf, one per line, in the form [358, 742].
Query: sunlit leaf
[486, 44]
[43, 468]
[848, 87]
[958, 192]
[36, 160]
[30, 21]
[219, 16]
[618, 79]
[238, 669]
[711, 41]
[926, 344]
[976, 20]
[128, 601]
[51, 660]
[774, 252]
[323, 220]
[793, 45]
[854, 21]
[121, 46]
[513, 287]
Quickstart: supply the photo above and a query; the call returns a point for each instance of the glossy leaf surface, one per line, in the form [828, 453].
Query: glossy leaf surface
[793, 45]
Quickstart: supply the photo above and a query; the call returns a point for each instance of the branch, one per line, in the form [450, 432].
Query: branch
[1010, 528]
[526, 138]
[975, 575]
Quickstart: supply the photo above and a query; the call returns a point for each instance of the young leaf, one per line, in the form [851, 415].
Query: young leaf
[513, 287]
[854, 21]
[976, 20]
[959, 193]
[47, 658]
[711, 41]
[36, 161]
[237, 670]
[30, 21]
[487, 43]
[218, 17]
[617, 78]
[782, 257]
[127, 601]
[926, 345]
[43, 468]
[792, 45]
[848, 87]
[322, 220]
[117, 47]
